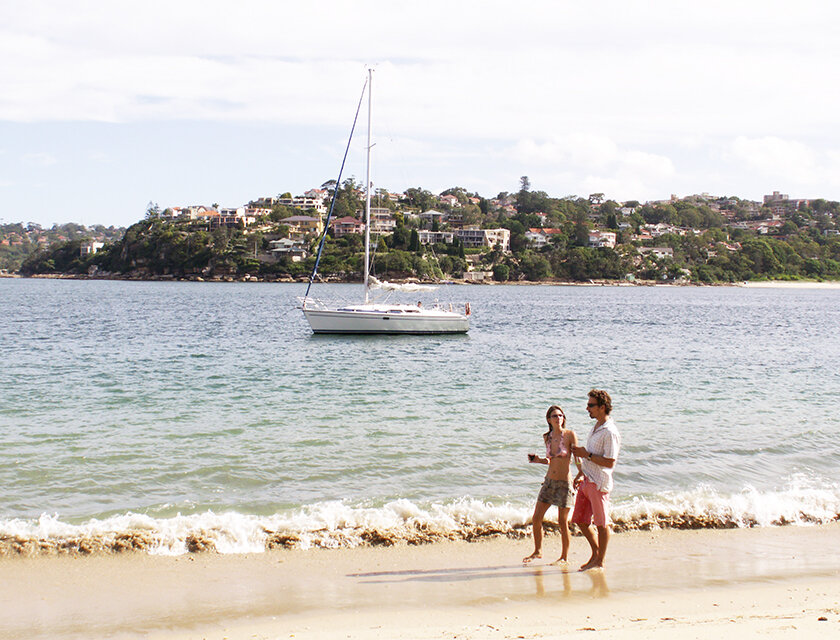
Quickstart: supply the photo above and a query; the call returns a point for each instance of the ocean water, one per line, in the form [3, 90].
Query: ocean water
[175, 416]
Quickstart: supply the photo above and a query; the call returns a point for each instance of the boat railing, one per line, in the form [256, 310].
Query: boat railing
[312, 304]
[454, 307]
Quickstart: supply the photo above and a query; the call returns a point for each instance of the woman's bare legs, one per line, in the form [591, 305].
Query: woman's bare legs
[536, 525]
[563, 520]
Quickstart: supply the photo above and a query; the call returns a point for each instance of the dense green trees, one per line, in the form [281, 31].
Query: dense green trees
[18, 241]
[804, 246]
[156, 247]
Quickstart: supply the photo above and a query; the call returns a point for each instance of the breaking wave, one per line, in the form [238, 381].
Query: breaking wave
[340, 525]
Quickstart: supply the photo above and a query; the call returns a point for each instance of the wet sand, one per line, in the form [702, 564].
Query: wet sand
[664, 584]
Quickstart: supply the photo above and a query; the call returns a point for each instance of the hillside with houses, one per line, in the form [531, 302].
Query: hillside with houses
[18, 240]
[458, 235]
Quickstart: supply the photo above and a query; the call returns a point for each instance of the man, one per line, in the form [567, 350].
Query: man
[594, 480]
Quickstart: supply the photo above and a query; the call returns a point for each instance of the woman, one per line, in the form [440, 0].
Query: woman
[557, 487]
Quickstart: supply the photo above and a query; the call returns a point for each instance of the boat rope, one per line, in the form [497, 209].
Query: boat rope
[335, 196]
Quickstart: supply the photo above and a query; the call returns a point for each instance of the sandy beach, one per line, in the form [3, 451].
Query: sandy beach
[791, 284]
[773, 582]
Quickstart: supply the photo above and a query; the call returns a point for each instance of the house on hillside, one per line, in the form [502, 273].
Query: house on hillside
[602, 239]
[90, 247]
[382, 220]
[540, 236]
[431, 216]
[317, 194]
[450, 200]
[658, 252]
[433, 237]
[286, 247]
[346, 225]
[485, 238]
[300, 226]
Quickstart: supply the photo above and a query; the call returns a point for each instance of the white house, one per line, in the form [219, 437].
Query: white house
[431, 216]
[382, 220]
[485, 238]
[602, 239]
[539, 237]
[89, 248]
[287, 247]
[433, 237]
[659, 252]
[451, 200]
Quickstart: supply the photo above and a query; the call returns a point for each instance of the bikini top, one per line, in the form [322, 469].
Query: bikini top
[554, 445]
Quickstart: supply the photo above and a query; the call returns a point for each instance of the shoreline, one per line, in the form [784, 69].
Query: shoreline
[748, 284]
[661, 584]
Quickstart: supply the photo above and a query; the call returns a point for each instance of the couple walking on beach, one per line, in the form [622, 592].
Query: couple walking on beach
[592, 483]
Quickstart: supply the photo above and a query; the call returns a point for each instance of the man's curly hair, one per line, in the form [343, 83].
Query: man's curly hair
[602, 398]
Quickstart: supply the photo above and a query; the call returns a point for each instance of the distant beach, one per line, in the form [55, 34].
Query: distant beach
[791, 284]
[660, 584]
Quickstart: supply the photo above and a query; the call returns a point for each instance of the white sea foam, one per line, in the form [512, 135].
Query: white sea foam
[803, 500]
[338, 524]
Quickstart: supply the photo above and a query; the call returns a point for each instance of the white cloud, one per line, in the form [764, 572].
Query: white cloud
[41, 159]
[638, 100]
[790, 161]
[546, 68]
[587, 151]
[649, 165]
[594, 163]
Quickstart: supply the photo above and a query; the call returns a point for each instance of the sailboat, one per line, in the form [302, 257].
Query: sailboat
[371, 316]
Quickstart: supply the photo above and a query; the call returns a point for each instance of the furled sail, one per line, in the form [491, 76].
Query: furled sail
[392, 286]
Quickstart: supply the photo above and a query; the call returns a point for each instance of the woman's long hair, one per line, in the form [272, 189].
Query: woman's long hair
[548, 413]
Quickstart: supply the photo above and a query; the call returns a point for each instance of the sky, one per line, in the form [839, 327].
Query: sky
[106, 106]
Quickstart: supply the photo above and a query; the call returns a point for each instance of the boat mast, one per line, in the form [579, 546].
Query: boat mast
[367, 187]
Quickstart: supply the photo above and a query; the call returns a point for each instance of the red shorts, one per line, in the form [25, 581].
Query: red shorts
[591, 505]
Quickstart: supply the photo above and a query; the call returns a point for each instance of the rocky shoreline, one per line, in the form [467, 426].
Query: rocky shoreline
[137, 277]
[329, 280]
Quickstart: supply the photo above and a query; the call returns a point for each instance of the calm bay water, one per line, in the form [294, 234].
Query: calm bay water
[178, 407]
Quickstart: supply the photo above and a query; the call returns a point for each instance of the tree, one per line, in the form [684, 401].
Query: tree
[534, 266]
[581, 229]
[501, 272]
[401, 238]
[152, 210]
[347, 200]
[524, 184]
[420, 198]
[414, 242]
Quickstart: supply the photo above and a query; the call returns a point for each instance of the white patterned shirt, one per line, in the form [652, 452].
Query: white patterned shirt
[603, 441]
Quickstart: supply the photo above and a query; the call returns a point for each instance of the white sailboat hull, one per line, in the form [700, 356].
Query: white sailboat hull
[378, 318]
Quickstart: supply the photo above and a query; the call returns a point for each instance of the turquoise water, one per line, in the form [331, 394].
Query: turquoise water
[174, 406]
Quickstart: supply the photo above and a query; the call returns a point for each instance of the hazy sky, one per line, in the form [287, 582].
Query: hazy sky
[105, 106]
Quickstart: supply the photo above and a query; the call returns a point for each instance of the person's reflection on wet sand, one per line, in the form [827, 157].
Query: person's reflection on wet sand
[599, 584]
[539, 582]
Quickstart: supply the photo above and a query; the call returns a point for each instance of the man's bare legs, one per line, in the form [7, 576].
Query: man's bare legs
[599, 547]
[563, 521]
[536, 525]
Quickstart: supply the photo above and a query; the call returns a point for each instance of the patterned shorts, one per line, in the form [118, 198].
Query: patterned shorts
[556, 492]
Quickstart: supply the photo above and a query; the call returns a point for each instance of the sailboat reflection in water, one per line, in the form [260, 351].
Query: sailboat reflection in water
[371, 316]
